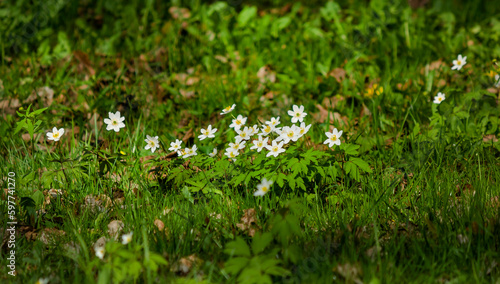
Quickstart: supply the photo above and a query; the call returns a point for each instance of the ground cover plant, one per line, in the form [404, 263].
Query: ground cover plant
[250, 142]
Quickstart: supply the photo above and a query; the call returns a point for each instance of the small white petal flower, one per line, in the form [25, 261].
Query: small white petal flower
[238, 122]
[231, 153]
[497, 81]
[303, 129]
[42, 280]
[214, 153]
[273, 121]
[126, 238]
[333, 137]
[207, 133]
[263, 187]
[175, 146]
[266, 130]
[297, 114]
[237, 145]
[244, 134]
[459, 63]
[259, 144]
[439, 98]
[275, 149]
[253, 130]
[55, 134]
[288, 134]
[114, 122]
[228, 109]
[188, 152]
[152, 143]
[99, 252]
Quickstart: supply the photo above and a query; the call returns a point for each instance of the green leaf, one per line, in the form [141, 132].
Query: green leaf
[351, 149]
[235, 265]
[238, 247]
[352, 170]
[246, 15]
[361, 164]
[260, 242]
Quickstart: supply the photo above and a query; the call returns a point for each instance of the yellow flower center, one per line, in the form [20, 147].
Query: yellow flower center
[333, 138]
[227, 109]
[265, 189]
[114, 122]
[56, 134]
[275, 149]
[206, 133]
[440, 99]
[302, 130]
[243, 134]
[151, 143]
[238, 122]
[297, 114]
[268, 129]
[290, 134]
[459, 62]
[259, 144]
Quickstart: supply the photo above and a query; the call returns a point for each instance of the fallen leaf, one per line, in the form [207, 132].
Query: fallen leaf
[338, 74]
[247, 220]
[159, 224]
[179, 13]
[185, 264]
[114, 228]
[50, 235]
[349, 272]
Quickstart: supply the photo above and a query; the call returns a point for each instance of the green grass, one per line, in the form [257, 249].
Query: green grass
[410, 196]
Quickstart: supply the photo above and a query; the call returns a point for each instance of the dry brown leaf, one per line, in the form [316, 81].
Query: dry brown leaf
[350, 272]
[265, 75]
[338, 74]
[414, 4]
[45, 93]
[179, 13]
[84, 62]
[185, 264]
[50, 235]
[159, 224]
[187, 94]
[490, 138]
[114, 228]
[247, 220]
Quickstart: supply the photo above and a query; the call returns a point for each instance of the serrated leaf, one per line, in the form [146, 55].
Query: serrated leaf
[238, 247]
[361, 164]
[260, 242]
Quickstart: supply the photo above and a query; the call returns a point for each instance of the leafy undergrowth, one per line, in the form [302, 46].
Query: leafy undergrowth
[390, 174]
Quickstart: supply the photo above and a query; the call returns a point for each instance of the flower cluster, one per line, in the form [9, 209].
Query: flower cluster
[374, 90]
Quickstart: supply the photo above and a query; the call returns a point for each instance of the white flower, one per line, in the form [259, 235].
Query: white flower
[231, 153]
[175, 146]
[42, 281]
[263, 187]
[273, 121]
[297, 114]
[55, 134]
[259, 144]
[244, 134]
[497, 81]
[333, 137]
[214, 153]
[238, 122]
[207, 133]
[228, 109]
[266, 130]
[275, 149]
[238, 145]
[303, 129]
[253, 130]
[188, 152]
[152, 143]
[289, 133]
[114, 122]
[126, 238]
[459, 63]
[439, 98]
[99, 252]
